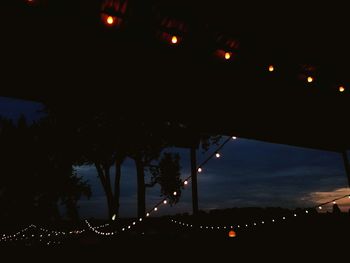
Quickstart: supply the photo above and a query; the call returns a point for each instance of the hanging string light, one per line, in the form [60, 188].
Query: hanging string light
[271, 68]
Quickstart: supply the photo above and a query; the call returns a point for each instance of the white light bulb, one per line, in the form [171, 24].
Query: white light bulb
[306, 211]
[186, 182]
[320, 207]
[200, 170]
[273, 220]
[175, 193]
[147, 214]
[283, 218]
[155, 209]
[334, 202]
[234, 137]
[165, 202]
[262, 222]
[217, 155]
[295, 214]
[140, 219]
[134, 223]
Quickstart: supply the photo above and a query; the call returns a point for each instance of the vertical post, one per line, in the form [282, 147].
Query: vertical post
[346, 165]
[194, 180]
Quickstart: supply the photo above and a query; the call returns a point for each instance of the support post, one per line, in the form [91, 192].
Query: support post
[346, 165]
[194, 180]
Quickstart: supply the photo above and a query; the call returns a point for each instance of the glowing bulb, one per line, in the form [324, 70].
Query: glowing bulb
[283, 218]
[114, 217]
[165, 202]
[234, 137]
[273, 220]
[134, 223]
[334, 202]
[200, 170]
[306, 211]
[320, 207]
[174, 40]
[110, 20]
[295, 214]
[271, 68]
[227, 55]
[140, 219]
[175, 193]
[231, 233]
[310, 79]
[341, 89]
[186, 182]
[155, 209]
[147, 214]
[217, 155]
[349, 196]
[262, 222]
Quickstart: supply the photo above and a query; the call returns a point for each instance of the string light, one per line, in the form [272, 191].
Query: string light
[320, 207]
[310, 79]
[200, 170]
[156, 209]
[228, 55]
[165, 202]
[175, 193]
[217, 155]
[174, 40]
[341, 89]
[234, 137]
[271, 68]
[110, 20]
[185, 182]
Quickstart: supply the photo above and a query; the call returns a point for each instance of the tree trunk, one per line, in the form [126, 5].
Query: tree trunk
[141, 189]
[118, 173]
[103, 174]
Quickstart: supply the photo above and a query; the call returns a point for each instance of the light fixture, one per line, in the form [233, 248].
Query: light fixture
[310, 79]
[234, 137]
[175, 193]
[110, 20]
[165, 202]
[341, 89]
[227, 55]
[200, 170]
[174, 40]
[217, 155]
[271, 68]
[185, 182]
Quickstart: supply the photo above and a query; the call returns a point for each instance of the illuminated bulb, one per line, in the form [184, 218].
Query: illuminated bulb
[262, 222]
[227, 55]
[147, 214]
[349, 196]
[134, 223]
[283, 218]
[175, 193]
[341, 89]
[306, 211]
[334, 202]
[273, 220]
[114, 217]
[186, 182]
[165, 202]
[295, 214]
[271, 68]
[110, 20]
[320, 207]
[234, 137]
[254, 224]
[200, 170]
[310, 79]
[217, 155]
[246, 225]
[174, 40]
[155, 209]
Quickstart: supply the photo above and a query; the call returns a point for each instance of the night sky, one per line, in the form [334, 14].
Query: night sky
[249, 173]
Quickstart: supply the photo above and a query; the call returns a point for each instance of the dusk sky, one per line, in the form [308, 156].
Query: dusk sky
[249, 173]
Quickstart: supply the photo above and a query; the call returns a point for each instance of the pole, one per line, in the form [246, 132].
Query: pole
[346, 165]
[194, 180]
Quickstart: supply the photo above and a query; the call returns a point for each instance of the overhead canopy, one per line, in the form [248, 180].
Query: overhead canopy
[60, 54]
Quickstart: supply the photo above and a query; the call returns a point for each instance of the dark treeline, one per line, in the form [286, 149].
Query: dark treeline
[38, 159]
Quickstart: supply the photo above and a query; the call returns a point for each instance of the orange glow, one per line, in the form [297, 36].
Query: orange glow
[310, 79]
[341, 89]
[227, 55]
[174, 40]
[110, 20]
[232, 233]
[271, 68]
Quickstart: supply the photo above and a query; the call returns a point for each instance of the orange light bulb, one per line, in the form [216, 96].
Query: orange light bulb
[341, 89]
[227, 55]
[174, 40]
[310, 79]
[110, 20]
[271, 68]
